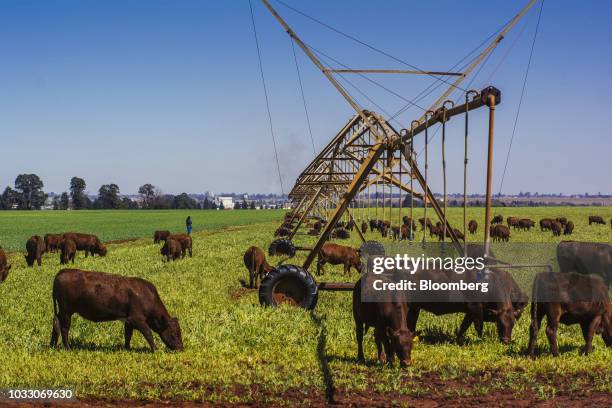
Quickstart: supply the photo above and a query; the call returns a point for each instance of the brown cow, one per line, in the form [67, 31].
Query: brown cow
[391, 333]
[338, 255]
[405, 232]
[500, 232]
[4, 266]
[546, 224]
[395, 231]
[186, 243]
[255, 261]
[35, 248]
[340, 233]
[586, 258]
[570, 299]
[52, 242]
[569, 228]
[171, 249]
[526, 224]
[556, 228]
[68, 250]
[104, 297]
[88, 243]
[498, 219]
[472, 226]
[513, 222]
[364, 227]
[159, 236]
[406, 220]
[424, 222]
[561, 220]
[596, 219]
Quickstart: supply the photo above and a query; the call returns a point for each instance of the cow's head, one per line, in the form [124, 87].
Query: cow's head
[401, 344]
[170, 333]
[505, 320]
[102, 250]
[30, 260]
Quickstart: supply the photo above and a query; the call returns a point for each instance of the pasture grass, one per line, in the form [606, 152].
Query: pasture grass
[237, 351]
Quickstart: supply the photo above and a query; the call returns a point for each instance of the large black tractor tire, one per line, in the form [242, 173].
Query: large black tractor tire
[289, 284]
[282, 246]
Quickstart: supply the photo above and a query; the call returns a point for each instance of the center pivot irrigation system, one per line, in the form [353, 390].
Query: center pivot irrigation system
[368, 160]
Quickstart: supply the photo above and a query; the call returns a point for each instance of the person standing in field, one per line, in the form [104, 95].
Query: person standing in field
[188, 224]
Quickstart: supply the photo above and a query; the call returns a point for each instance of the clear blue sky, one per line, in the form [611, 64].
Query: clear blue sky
[168, 92]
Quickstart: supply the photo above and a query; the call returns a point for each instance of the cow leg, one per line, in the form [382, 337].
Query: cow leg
[465, 324]
[55, 331]
[129, 330]
[347, 269]
[39, 260]
[64, 322]
[588, 331]
[190, 252]
[320, 264]
[552, 325]
[413, 317]
[359, 335]
[536, 322]
[143, 327]
[251, 279]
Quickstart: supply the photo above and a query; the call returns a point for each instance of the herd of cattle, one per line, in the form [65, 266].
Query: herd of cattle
[577, 295]
[498, 231]
[100, 296]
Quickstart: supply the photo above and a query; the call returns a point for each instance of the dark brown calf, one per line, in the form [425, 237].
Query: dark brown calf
[52, 242]
[546, 224]
[255, 261]
[35, 248]
[556, 228]
[570, 299]
[171, 249]
[472, 226]
[525, 224]
[340, 233]
[513, 222]
[159, 236]
[68, 250]
[569, 228]
[498, 219]
[104, 297]
[391, 332]
[596, 219]
[186, 243]
[88, 243]
[500, 232]
[338, 255]
[4, 266]
[424, 223]
[364, 227]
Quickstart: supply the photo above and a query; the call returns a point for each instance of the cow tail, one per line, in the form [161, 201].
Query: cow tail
[253, 271]
[534, 300]
[56, 325]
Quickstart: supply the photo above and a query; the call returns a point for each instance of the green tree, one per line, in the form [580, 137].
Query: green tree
[252, 206]
[8, 198]
[64, 201]
[184, 202]
[29, 192]
[108, 197]
[147, 192]
[77, 193]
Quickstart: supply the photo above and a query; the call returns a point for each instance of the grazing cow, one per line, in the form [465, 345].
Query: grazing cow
[373, 225]
[546, 224]
[502, 304]
[596, 219]
[569, 228]
[391, 333]
[405, 232]
[364, 227]
[561, 220]
[472, 226]
[88, 243]
[104, 297]
[186, 243]
[160, 236]
[35, 248]
[171, 249]
[340, 233]
[406, 220]
[424, 222]
[52, 242]
[4, 266]
[500, 232]
[556, 228]
[570, 299]
[255, 261]
[338, 255]
[526, 224]
[395, 231]
[350, 225]
[282, 232]
[586, 258]
[498, 219]
[68, 250]
[513, 222]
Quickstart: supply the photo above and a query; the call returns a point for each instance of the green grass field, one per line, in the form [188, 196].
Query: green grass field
[237, 351]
